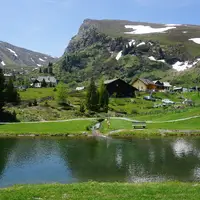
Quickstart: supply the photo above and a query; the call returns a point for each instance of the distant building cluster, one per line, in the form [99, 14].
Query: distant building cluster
[50, 81]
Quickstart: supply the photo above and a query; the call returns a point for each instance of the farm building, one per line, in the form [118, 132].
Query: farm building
[119, 88]
[162, 86]
[144, 84]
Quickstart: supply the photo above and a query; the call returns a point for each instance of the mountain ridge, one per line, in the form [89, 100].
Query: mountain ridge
[11, 55]
[125, 49]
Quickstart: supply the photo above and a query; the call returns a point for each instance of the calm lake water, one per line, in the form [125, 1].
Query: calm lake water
[47, 160]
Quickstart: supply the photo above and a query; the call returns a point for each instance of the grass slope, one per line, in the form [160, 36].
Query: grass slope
[152, 129]
[80, 126]
[103, 191]
[36, 93]
[170, 116]
[72, 127]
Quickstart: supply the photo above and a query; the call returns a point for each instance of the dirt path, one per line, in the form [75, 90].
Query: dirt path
[176, 120]
[91, 119]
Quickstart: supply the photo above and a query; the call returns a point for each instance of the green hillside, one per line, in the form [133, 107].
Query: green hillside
[95, 51]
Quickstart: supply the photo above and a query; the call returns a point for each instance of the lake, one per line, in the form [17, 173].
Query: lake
[69, 160]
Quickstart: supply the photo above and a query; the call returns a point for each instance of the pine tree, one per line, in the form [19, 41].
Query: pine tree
[92, 98]
[11, 94]
[61, 94]
[50, 70]
[35, 102]
[43, 84]
[82, 108]
[40, 70]
[2, 86]
[103, 97]
[45, 70]
[64, 63]
[50, 64]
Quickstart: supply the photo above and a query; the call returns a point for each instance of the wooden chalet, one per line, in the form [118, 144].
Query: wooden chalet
[119, 88]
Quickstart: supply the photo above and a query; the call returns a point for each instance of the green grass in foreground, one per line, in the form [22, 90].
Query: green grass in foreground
[108, 191]
[79, 126]
[46, 128]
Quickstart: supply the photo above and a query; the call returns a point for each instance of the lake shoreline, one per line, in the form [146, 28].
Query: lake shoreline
[124, 133]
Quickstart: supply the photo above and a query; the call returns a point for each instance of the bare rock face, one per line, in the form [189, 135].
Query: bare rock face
[111, 35]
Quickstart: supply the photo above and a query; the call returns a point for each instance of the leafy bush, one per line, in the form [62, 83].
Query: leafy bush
[100, 120]
[35, 102]
[46, 104]
[82, 108]
[134, 112]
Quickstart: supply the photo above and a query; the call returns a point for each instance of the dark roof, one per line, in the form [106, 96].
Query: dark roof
[146, 81]
[110, 81]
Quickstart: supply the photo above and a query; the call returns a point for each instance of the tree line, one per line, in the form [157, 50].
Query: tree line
[97, 99]
[8, 94]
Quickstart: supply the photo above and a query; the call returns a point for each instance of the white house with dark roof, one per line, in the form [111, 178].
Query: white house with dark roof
[50, 81]
[162, 86]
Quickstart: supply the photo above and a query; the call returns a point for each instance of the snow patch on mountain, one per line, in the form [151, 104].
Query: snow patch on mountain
[153, 59]
[163, 61]
[185, 32]
[141, 29]
[3, 63]
[181, 66]
[142, 43]
[173, 25]
[12, 52]
[41, 60]
[151, 43]
[119, 55]
[32, 60]
[39, 65]
[132, 42]
[196, 40]
[45, 57]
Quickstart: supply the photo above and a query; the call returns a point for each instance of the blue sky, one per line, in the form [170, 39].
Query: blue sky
[48, 25]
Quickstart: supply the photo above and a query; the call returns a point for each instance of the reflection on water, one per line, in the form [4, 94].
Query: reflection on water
[182, 148]
[45, 160]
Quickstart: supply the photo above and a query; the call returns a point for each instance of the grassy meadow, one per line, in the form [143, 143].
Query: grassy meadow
[133, 108]
[80, 126]
[47, 128]
[119, 124]
[36, 93]
[103, 191]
